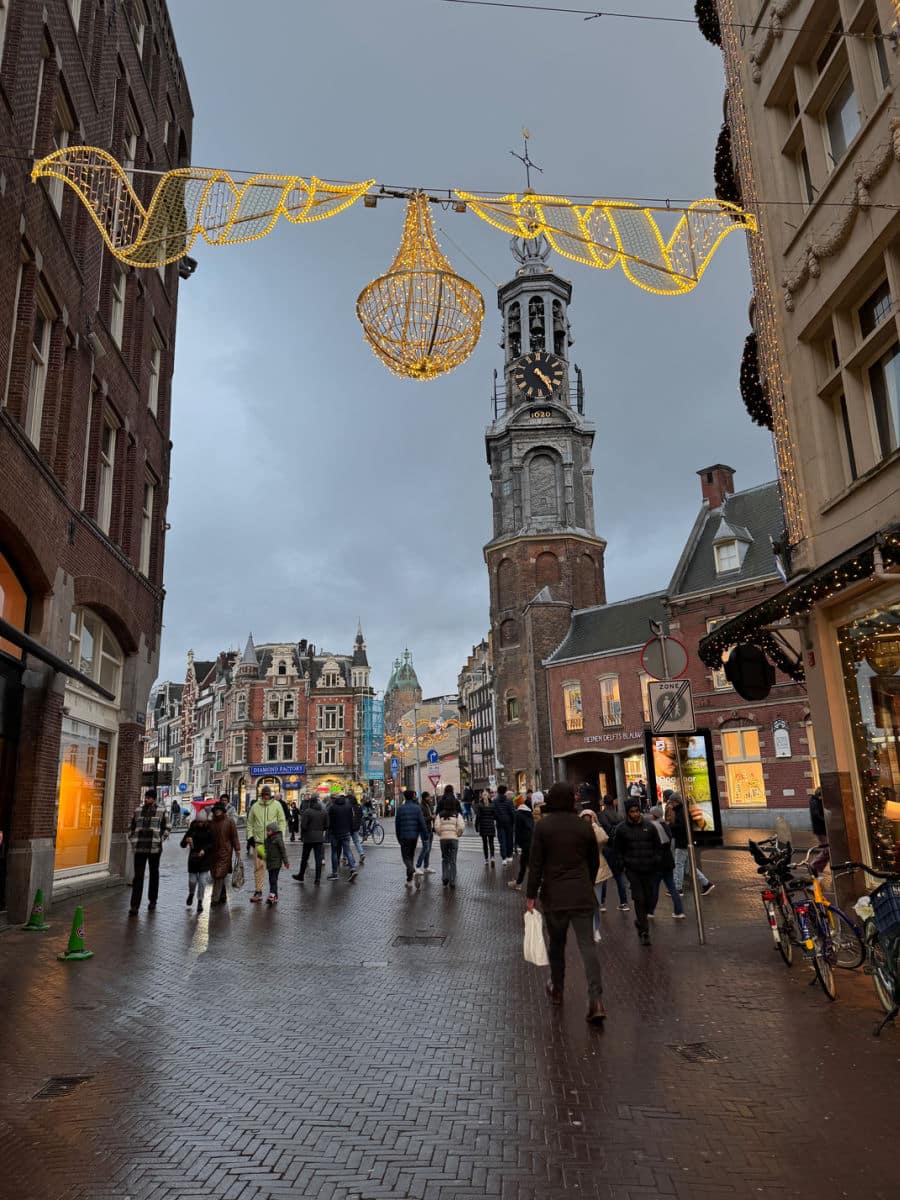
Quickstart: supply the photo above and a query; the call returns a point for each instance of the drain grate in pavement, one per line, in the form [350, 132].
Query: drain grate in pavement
[60, 1085]
[419, 940]
[696, 1052]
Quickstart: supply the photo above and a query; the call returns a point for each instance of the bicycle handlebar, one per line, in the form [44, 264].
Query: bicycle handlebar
[844, 868]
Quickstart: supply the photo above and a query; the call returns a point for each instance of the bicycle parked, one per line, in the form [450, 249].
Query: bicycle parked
[880, 913]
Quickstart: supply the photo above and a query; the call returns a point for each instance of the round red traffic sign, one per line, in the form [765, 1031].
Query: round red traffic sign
[676, 658]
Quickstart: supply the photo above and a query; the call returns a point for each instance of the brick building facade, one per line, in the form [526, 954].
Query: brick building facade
[86, 359]
[764, 751]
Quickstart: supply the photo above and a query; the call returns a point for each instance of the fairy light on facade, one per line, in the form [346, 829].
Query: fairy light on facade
[421, 318]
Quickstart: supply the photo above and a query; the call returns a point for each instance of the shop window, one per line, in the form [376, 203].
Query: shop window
[875, 309]
[512, 708]
[521, 782]
[572, 702]
[85, 777]
[884, 383]
[743, 767]
[94, 650]
[37, 375]
[13, 606]
[610, 703]
[635, 771]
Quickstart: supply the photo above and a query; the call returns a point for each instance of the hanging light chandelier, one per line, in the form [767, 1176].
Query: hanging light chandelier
[420, 318]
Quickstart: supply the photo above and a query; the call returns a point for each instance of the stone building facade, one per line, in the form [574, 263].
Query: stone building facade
[477, 752]
[86, 361]
[545, 557]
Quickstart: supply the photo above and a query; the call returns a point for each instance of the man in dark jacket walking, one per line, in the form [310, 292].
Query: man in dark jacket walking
[609, 818]
[523, 831]
[563, 866]
[313, 828]
[640, 849]
[409, 826]
[149, 830]
[505, 817]
[340, 827]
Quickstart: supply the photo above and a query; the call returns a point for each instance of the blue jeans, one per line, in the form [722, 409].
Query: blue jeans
[598, 894]
[358, 844]
[505, 838]
[620, 884]
[425, 852]
[682, 859]
[339, 846]
[669, 880]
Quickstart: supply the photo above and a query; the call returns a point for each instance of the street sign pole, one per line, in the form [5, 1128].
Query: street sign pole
[692, 857]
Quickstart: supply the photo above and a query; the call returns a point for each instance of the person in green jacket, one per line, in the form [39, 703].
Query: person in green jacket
[264, 812]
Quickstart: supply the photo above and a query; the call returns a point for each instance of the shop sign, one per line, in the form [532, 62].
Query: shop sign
[278, 769]
[592, 739]
[782, 739]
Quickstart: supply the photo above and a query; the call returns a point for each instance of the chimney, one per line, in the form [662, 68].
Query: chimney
[716, 483]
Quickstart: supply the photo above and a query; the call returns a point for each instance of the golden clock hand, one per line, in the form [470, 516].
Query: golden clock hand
[546, 379]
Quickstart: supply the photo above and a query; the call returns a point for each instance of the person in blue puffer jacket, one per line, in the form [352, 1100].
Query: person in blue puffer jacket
[410, 825]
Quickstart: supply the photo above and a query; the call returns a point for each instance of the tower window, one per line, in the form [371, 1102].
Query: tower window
[536, 337]
[559, 329]
[514, 330]
[512, 708]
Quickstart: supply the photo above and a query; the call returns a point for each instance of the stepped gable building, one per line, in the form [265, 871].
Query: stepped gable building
[86, 360]
[544, 558]
[764, 751]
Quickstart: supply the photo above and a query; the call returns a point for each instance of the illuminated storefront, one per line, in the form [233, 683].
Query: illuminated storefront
[13, 608]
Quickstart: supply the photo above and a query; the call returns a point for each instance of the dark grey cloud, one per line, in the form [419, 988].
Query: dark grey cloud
[310, 486]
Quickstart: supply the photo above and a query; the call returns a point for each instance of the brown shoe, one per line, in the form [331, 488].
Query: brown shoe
[555, 993]
[596, 1013]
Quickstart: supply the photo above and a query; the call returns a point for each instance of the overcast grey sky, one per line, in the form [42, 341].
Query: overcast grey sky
[310, 486]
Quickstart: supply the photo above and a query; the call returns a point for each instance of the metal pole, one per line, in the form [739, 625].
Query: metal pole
[416, 739]
[692, 858]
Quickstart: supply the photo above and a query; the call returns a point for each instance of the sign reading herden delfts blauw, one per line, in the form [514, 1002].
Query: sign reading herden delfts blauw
[278, 769]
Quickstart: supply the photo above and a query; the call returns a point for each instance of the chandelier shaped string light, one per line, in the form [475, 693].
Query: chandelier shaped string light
[604, 233]
[421, 318]
[188, 203]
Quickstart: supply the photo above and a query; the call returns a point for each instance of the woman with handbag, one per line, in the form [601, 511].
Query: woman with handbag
[225, 848]
[603, 871]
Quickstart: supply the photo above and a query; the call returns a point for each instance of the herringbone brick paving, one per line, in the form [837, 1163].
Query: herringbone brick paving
[259, 1055]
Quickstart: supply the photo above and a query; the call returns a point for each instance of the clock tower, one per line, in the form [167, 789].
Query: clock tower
[545, 558]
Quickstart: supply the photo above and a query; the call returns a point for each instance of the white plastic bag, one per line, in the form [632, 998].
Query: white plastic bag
[535, 949]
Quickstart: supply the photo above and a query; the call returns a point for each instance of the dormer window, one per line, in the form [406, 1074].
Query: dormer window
[282, 667]
[728, 556]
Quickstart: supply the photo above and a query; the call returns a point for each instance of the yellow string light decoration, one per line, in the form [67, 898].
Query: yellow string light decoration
[421, 318]
[188, 203]
[604, 233]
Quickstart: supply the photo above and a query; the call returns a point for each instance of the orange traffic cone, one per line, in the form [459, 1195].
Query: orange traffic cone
[76, 940]
[35, 923]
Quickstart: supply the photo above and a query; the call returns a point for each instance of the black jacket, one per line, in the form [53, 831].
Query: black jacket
[504, 810]
[293, 818]
[638, 846]
[524, 827]
[201, 835]
[676, 821]
[357, 813]
[485, 823]
[340, 818]
[564, 862]
[313, 823]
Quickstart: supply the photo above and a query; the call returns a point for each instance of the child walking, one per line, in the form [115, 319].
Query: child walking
[276, 858]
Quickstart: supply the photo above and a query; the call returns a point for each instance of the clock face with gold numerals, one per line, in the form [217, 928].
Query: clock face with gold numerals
[539, 375]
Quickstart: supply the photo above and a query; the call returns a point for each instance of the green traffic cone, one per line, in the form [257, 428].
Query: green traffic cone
[76, 940]
[36, 922]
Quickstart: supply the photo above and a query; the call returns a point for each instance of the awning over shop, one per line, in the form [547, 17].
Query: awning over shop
[18, 638]
[759, 625]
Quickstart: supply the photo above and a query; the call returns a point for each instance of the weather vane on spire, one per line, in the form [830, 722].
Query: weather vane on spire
[525, 159]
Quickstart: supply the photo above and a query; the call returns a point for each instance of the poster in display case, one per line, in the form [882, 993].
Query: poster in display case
[699, 771]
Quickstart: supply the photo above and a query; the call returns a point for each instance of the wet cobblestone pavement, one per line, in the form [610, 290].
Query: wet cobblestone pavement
[252, 1053]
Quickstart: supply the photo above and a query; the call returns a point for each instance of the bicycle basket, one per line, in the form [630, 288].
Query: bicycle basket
[886, 905]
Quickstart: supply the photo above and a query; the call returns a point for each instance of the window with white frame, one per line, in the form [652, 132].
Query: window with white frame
[117, 307]
[155, 369]
[272, 747]
[330, 716]
[644, 680]
[840, 121]
[328, 753]
[572, 706]
[287, 747]
[238, 742]
[147, 525]
[288, 705]
[728, 556]
[106, 473]
[884, 383]
[240, 708]
[880, 65]
[94, 651]
[743, 767]
[331, 679]
[92, 397]
[273, 708]
[63, 128]
[610, 703]
[37, 377]
[876, 307]
[512, 708]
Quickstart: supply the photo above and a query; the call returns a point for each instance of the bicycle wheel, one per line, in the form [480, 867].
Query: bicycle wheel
[786, 937]
[881, 975]
[849, 951]
[377, 834]
[822, 965]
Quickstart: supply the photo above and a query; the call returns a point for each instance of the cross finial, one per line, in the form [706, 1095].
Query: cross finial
[525, 159]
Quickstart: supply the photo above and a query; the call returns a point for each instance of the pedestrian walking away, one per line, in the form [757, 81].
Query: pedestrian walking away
[226, 850]
[276, 858]
[199, 840]
[604, 873]
[666, 873]
[175, 812]
[449, 827]
[313, 831]
[293, 820]
[504, 816]
[468, 805]
[637, 843]
[564, 862]
[409, 826]
[427, 806]
[486, 825]
[677, 822]
[357, 825]
[266, 810]
[523, 832]
[340, 828]
[609, 818]
[149, 830]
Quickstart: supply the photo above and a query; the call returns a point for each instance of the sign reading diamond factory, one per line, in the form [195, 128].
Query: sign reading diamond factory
[278, 769]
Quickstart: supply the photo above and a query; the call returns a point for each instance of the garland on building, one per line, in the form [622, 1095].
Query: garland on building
[728, 185]
[708, 21]
[753, 389]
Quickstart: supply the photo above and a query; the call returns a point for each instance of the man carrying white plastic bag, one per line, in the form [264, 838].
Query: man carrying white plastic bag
[564, 863]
